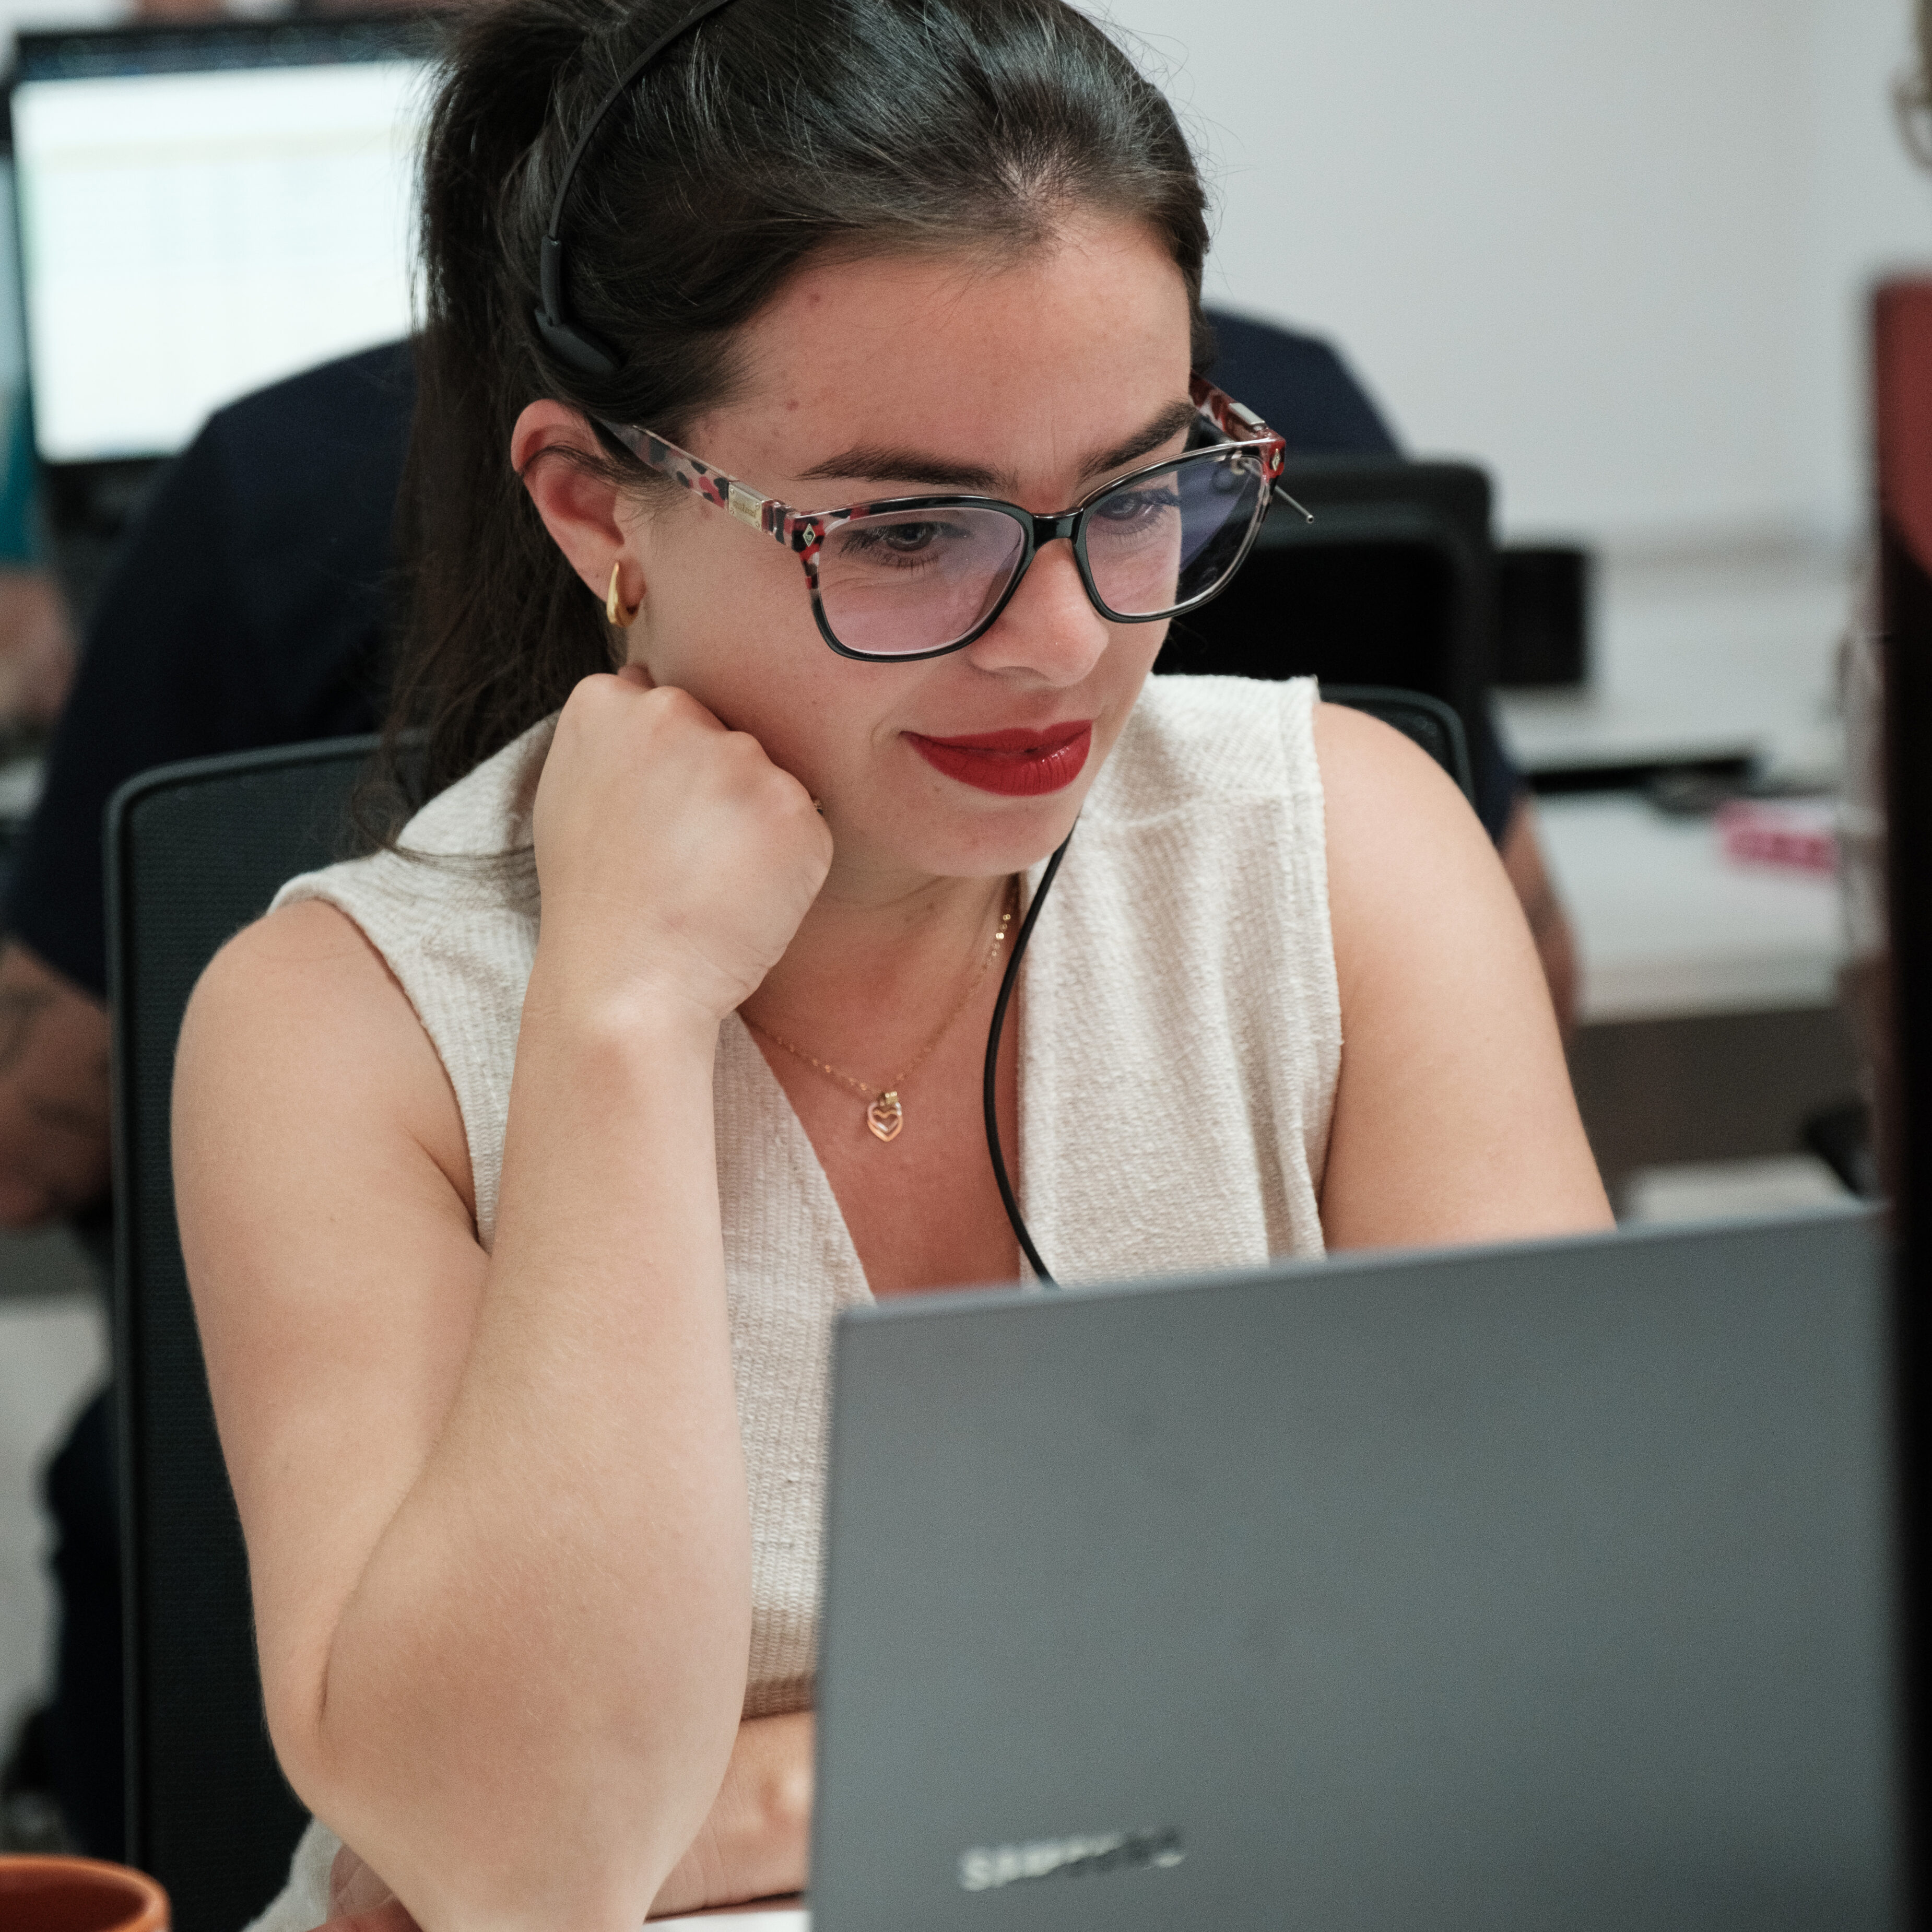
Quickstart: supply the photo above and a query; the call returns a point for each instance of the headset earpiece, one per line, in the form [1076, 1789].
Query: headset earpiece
[564, 339]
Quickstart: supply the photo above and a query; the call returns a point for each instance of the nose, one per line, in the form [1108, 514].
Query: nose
[1050, 629]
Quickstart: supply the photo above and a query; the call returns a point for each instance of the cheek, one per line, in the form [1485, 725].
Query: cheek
[728, 619]
[726, 616]
[1124, 670]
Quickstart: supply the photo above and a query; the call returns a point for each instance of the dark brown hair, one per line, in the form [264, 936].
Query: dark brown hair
[775, 130]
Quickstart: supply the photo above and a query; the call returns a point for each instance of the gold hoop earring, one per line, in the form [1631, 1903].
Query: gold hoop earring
[622, 616]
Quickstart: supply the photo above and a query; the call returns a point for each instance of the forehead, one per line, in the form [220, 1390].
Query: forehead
[1021, 361]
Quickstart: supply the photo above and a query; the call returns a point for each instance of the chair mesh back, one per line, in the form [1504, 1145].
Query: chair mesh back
[195, 852]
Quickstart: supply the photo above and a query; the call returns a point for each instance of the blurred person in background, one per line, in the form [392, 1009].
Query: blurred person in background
[249, 609]
[1330, 414]
[37, 649]
[37, 646]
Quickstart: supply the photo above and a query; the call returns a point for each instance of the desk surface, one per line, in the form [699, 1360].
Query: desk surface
[1668, 926]
[747, 1919]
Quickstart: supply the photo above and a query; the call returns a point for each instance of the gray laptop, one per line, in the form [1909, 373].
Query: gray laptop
[1529, 1587]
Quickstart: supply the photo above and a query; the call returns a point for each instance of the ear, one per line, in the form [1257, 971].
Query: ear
[581, 511]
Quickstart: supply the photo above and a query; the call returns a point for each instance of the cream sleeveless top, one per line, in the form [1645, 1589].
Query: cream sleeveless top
[1180, 1038]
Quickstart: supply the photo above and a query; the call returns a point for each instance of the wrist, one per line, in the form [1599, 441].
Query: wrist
[636, 1013]
[769, 1826]
[756, 1842]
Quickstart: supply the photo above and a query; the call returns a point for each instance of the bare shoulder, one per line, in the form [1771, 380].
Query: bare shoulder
[1379, 784]
[310, 945]
[1404, 846]
[299, 1019]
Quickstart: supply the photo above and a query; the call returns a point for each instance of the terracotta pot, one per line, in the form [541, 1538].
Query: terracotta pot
[61, 1894]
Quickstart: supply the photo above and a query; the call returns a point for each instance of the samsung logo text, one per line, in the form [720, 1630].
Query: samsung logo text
[987, 1867]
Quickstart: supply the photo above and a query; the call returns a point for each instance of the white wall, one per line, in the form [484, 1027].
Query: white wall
[1615, 248]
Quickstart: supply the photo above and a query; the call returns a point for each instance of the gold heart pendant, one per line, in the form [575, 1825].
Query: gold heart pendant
[885, 1116]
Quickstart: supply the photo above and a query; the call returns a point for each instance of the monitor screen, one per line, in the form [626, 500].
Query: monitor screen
[201, 214]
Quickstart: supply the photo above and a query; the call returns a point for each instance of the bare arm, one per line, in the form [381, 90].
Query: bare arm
[495, 1504]
[37, 647]
[1521, 854]
[53, 1092]
[1454, 1119]
[755, 1844]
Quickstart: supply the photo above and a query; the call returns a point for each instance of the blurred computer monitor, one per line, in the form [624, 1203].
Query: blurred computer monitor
[203, 209]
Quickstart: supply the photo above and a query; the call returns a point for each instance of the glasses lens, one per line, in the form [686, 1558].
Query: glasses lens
[1164, 538]
[909, 580]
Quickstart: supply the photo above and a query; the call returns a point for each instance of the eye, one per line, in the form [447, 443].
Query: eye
[907, 538]
[1133, 506]
[888, 542]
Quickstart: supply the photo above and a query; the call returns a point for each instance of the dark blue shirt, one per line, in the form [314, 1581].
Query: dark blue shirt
[1300, 387]
[250, 608]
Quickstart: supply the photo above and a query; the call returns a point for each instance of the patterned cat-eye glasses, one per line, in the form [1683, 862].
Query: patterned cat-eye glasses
[909, 578]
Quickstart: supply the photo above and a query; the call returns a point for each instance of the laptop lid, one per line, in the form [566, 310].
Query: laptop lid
[1537, 1585]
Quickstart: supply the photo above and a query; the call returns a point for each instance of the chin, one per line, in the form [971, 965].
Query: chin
[987, 840]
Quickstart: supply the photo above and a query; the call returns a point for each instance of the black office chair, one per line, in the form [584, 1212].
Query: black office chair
[195, 851]
[1392, 585]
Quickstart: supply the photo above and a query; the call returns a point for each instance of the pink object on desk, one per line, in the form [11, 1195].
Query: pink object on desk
[1800, 835]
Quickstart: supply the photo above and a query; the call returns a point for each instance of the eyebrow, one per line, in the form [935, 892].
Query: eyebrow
[871, 462]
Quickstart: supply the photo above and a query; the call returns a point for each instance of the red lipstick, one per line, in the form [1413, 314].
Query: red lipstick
[1022, 764]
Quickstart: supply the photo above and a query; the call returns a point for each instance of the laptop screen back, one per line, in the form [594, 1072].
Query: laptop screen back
[1508, 1589]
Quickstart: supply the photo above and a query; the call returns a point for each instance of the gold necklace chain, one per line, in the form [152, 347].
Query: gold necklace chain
[885, 1112]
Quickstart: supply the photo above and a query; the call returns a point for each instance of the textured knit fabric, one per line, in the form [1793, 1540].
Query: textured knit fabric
[1180, 1042]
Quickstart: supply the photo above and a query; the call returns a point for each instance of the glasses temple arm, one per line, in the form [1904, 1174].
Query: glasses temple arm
[725, 492]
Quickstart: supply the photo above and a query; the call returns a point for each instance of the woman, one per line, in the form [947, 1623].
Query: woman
[516, 1242]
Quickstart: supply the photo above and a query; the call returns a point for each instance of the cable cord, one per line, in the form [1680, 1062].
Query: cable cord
[1008, 980]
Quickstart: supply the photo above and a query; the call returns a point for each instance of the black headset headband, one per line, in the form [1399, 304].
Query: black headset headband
[564, 339]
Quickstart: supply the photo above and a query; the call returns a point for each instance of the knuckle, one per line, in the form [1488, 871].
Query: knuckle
[590, 691]
[678, 706]
[585, 709]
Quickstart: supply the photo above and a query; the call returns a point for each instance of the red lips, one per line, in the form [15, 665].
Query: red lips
[1024, 763]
